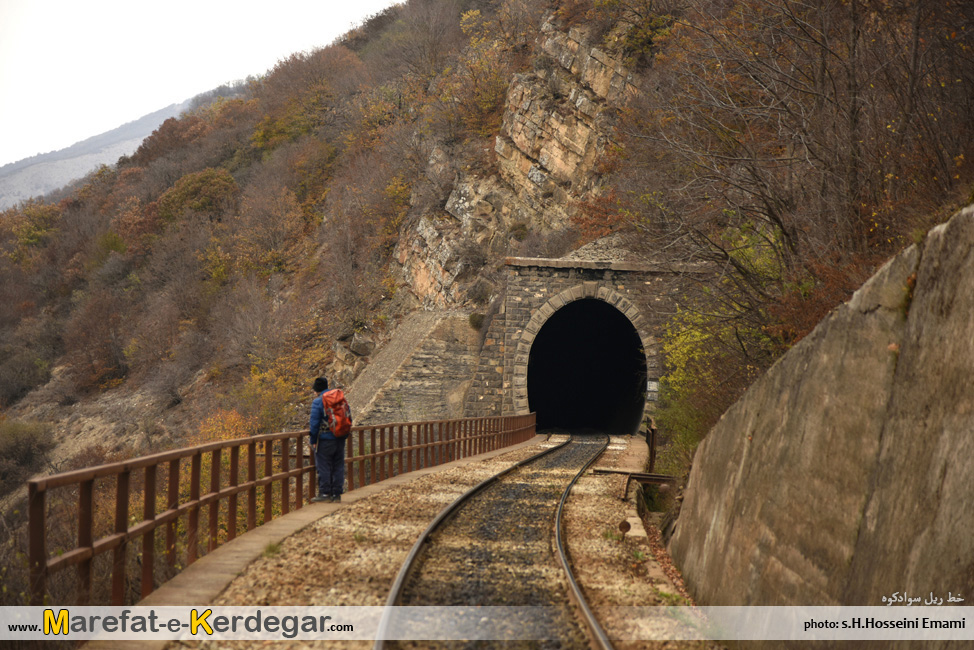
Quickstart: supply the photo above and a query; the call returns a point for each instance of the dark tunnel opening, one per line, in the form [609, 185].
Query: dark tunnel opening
[587, 370]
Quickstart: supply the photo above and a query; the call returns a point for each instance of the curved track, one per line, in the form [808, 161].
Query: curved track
[496, 546]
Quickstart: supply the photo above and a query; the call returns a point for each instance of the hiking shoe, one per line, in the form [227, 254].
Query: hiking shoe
[336, 499]
[320, 498]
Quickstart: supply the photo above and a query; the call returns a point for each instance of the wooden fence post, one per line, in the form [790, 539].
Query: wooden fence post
[121, 527]
[193, 525]
[232, 503]
[86, 510]
[299, 465]
[269, 485]
[172, 501]
[382, 453]
[149, 538]
[252, 491]
[38, 544]
[216, 462]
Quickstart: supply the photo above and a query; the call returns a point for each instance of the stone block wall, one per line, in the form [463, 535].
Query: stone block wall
[536, 289]
[431, 382]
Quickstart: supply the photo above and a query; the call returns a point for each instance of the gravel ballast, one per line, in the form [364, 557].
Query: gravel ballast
[352, 556]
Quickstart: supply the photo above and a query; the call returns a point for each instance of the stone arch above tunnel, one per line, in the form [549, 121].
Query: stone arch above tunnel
[610, 302]
[538, 288]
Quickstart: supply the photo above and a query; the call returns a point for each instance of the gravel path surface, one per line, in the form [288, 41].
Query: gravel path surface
[352, 557]
[618, 570]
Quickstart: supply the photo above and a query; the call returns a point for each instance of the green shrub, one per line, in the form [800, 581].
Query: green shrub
[21, 369]
[211, 191]
[518, 231]
[682, 426]
[480, 292]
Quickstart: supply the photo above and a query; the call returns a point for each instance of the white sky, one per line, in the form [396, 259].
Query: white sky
[71, 69]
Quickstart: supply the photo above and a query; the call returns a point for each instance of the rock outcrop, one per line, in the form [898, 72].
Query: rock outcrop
[845, 474]
[557, 122]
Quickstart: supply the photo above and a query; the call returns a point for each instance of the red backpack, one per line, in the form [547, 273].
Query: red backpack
[338, 414]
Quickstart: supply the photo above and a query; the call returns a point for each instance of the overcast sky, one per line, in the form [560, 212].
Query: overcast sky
[71, 69]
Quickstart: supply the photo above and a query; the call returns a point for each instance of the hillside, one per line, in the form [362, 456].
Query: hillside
[193, 289]
[41, 174]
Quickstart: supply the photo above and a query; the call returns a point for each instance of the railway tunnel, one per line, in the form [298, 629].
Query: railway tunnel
[587, 370]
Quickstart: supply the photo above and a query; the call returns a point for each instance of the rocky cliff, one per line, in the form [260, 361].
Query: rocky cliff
[557, 121]
[845, 473]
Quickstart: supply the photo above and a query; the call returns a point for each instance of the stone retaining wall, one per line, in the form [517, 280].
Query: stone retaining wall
[427, 381]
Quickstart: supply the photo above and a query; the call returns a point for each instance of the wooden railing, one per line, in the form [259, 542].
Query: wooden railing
[121, 503]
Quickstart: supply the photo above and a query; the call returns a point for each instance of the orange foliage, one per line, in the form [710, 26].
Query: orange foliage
[313, 167]
[136, 224]
[93, 340]
[803, 306]
[211, 191]
[599, 216]
[227, 424]
[173, 135]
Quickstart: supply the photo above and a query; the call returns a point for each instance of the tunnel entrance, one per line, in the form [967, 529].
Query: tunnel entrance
[587, 370]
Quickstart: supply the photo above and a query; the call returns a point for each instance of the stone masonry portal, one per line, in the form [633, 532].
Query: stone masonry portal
[573, 341]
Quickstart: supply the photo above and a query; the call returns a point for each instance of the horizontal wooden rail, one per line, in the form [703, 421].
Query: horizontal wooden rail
[166, 490]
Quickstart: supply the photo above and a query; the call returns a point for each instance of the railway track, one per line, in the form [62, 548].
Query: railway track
[501, 545]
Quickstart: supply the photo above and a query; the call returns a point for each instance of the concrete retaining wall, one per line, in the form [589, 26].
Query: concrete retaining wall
[846, 473]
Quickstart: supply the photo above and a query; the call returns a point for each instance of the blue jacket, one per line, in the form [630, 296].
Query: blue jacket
[318, 426]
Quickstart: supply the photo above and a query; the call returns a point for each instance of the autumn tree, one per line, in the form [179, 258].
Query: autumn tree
[173, 135]
[788, 116]
[211, 192]
[28, 353]
[177, 266]
[371, 30]
[23, 450]
[228, 142]
[786, 147]
[302, 94]
[363, 218]
[425, 37]
[156, 331]
[778, 118]
[516, 21]
[271, 227]
[95, 341]
[28, 229]
[472, 97]
[312, 166]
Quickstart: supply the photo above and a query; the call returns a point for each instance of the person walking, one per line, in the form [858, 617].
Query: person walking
[328, 450]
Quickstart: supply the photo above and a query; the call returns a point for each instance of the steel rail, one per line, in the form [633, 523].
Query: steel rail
[597, 634]
[395, 593]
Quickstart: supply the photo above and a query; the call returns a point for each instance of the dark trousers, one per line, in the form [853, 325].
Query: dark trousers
[330, 465]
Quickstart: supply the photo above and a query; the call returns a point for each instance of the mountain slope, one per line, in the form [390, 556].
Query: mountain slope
[43, 173]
